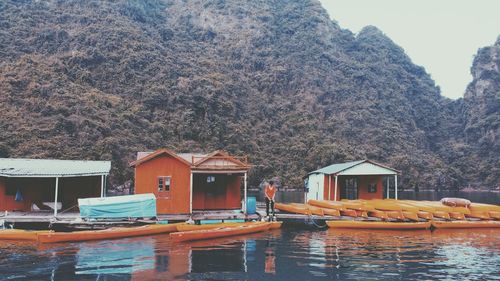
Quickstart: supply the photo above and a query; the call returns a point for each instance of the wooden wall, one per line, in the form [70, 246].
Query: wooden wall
[224, 193]
[176, 201]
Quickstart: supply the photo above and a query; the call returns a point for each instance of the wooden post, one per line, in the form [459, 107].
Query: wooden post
[55, 197]
[388, 185]
[245, 192]
[191, 193]
[102, 186]
[396, 187]
[329, 185]
[336, 187]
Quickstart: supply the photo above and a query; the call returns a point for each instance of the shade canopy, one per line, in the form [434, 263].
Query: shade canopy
[40, 168]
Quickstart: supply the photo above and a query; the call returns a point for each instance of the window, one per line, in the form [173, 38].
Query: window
[164, 183]
[210, 179]
[372, 188]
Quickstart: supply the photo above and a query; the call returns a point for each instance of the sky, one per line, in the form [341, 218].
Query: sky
[443, 36]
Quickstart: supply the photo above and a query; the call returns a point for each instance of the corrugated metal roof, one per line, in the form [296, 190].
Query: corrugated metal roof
[335, 168]
[12, 167]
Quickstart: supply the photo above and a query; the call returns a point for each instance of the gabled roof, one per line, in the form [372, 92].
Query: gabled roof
[15, 167]
[148, 156]
[218, 160]
[222, 154]
[362, 167]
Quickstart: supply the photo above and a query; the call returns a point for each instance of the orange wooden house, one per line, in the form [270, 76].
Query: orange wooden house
[186, 182]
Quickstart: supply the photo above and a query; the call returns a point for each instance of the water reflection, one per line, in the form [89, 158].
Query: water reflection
[286, 254]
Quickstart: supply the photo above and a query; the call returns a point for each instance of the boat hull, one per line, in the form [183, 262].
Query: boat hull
[378, 225]
[111, 233]
[466, 224]
[20, 234]
[218, 232]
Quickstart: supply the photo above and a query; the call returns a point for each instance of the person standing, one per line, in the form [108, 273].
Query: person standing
[270, 193]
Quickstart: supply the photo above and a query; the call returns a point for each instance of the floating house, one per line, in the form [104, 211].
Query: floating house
[41, 184]
[353, 180]
[187, 182]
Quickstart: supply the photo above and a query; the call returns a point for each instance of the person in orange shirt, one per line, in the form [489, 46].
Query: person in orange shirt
[270, 192]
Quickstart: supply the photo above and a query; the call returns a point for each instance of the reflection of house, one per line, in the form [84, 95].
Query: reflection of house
[353, 180]
[25, 184]
[185, 182]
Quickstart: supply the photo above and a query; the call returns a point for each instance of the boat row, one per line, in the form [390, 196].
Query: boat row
[178, 232]
[398, 214]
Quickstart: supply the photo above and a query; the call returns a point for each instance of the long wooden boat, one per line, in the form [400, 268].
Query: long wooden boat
[358, 205]
[313, 209]
[349, 213]
[457, 215]
[441, 215]
[410, 215]
[331, 212]
[292, 209]
[192, 227]
[337, 205]
[378, 214]
[479, 207]
[111, 233]
[466, 224]
[20, 234]
[478, 215]
[425, 215]
[378, 225]
[494, 215]
[218, 232]
[398, 215]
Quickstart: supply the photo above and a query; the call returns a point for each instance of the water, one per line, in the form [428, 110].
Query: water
[285, 254]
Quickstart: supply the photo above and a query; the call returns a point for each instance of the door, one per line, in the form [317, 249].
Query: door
[350, 189]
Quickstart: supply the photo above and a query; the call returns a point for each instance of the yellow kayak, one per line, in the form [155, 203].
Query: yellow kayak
[378, 225]
[313, 209]
[20, 234]
[466, 224]
[337, 205]
[192, 227]
[479, 207]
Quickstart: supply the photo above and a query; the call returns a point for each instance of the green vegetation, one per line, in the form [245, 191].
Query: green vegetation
[277, 80]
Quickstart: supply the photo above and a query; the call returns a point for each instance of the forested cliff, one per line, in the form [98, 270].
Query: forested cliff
[274, 79]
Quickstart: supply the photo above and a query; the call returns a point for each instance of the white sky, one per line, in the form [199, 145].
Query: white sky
[441, 35]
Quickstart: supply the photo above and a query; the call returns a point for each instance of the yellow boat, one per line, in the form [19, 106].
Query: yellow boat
[378, 214]
[478, 207]
[192, 227]
[20, 234]
[425, 215]
[478, 215]
[349, 213]
[457, 215]
[465, 224]
[292, 209]
[313, 209]
[441, 215]
[410, 215]
[327, 204]
[378, 225]
[494, 215]
[395, 215]
[358, 205]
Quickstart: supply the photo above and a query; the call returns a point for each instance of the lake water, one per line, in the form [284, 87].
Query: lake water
[285, 254]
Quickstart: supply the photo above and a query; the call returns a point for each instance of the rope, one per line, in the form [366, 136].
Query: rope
[67, 209]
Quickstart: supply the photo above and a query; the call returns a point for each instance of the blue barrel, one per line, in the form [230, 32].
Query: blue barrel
[251, 205]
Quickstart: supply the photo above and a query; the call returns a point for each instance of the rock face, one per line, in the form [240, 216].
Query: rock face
[482, 116]
[277, 80]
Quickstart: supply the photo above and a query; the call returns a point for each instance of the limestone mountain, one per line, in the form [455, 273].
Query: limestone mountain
[274, 79]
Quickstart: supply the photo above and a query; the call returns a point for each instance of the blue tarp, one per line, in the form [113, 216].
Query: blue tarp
[130, 206]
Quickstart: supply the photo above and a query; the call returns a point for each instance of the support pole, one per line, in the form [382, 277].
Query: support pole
[329, 185]
[102, 186]
[396, 187]
[55, 197]
[191, 193]
[245, 192]
[336, 187]
[388, 185]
